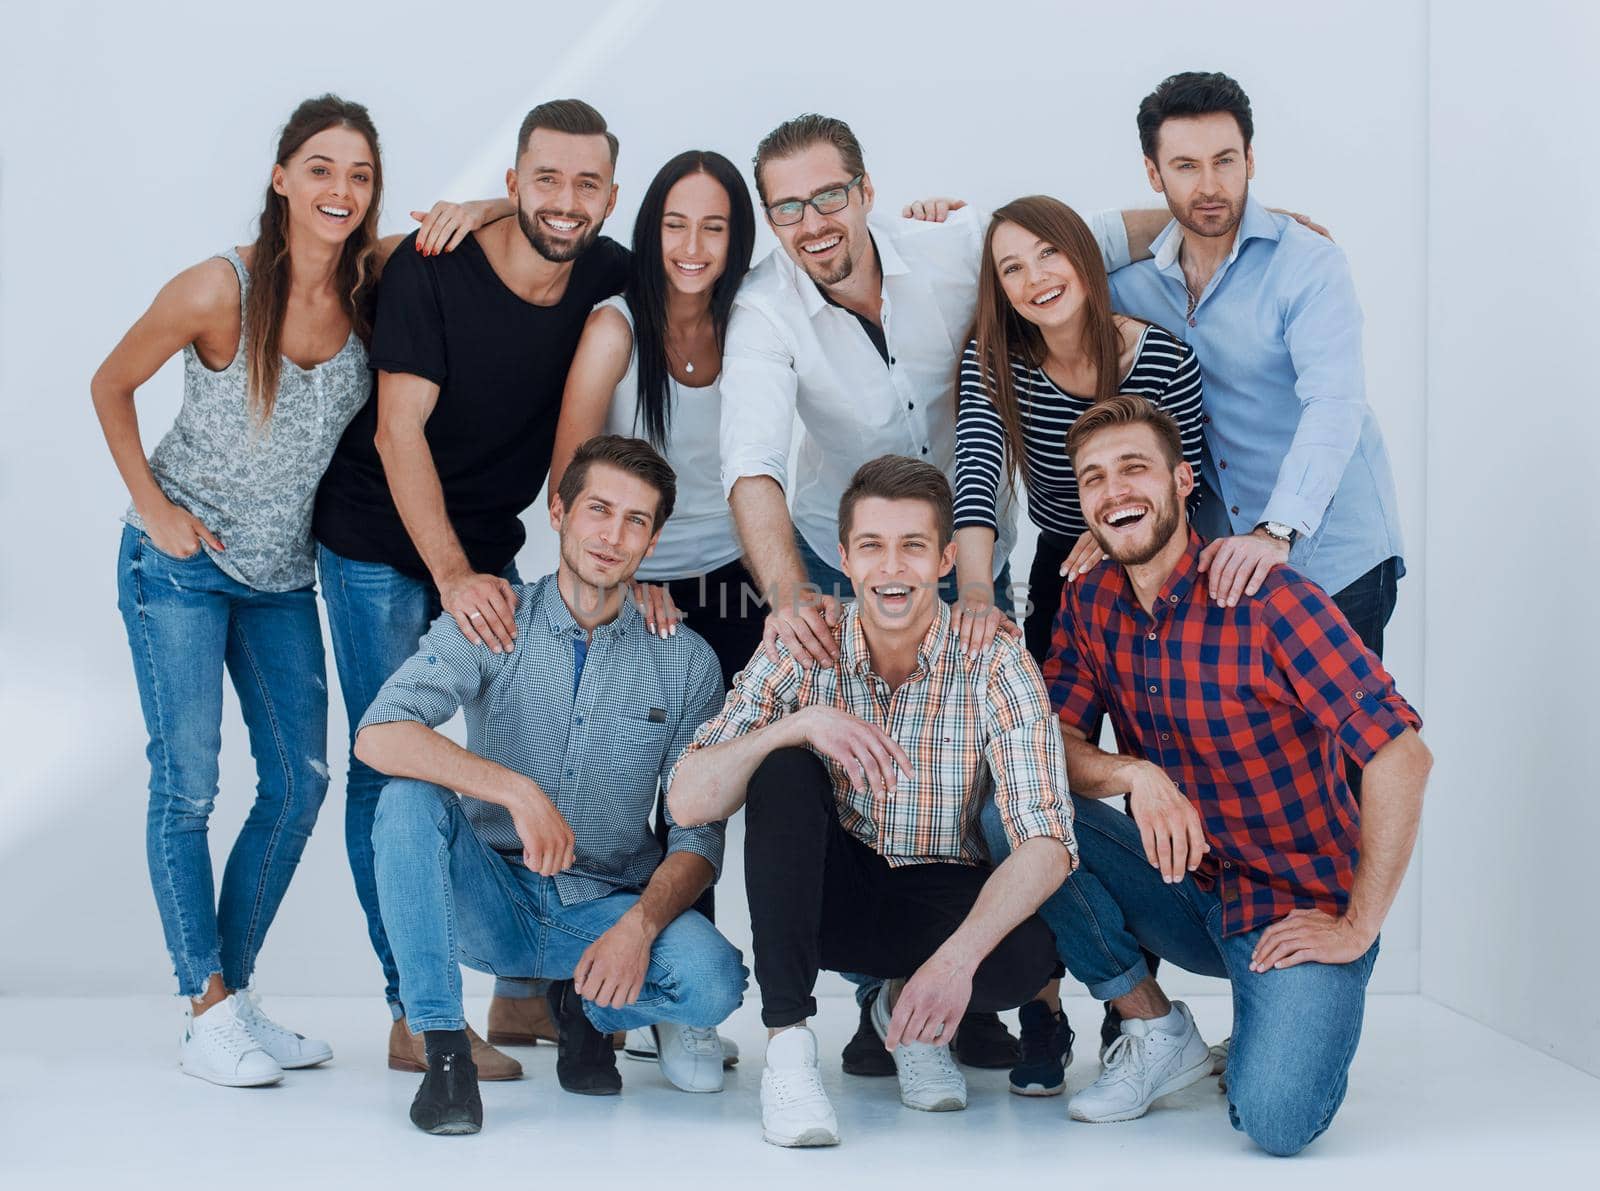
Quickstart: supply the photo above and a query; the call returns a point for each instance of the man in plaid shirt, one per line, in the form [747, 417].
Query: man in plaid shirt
[863, 782]
[1244, 854]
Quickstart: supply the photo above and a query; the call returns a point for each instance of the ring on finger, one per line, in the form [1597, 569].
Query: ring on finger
[475, 616]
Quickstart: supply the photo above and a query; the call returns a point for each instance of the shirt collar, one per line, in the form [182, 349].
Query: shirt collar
[853, 652]
[890, 263]
[1175, 590]
[560, 621]
[1257, 223]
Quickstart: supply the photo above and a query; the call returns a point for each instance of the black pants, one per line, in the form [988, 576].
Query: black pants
[724, 608]
[1044, 593]
[820, 898]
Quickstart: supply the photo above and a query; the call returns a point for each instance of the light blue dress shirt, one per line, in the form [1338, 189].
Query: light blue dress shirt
[1289, 435]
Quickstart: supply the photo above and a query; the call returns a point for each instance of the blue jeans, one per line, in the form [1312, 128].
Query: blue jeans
[376, 616]
[187, 621]
[448, 896]
[829, 579]
[1295, 1030]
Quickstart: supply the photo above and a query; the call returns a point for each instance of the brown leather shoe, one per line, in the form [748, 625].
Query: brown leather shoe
[407, 1053]
[525, 1021]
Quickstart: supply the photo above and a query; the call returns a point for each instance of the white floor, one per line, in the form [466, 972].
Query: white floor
[90, 1096]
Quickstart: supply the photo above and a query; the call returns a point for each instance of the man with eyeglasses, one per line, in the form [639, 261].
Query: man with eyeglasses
[856, 326]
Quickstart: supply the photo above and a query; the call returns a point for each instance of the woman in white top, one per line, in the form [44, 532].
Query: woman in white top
[648, 365]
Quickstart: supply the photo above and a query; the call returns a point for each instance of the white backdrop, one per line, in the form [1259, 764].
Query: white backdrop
[137, 140]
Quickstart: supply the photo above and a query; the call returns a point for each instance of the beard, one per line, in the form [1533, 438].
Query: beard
[1212, 225]
[553, 251]
[578, 562]
[832, 274]
[1163, 520]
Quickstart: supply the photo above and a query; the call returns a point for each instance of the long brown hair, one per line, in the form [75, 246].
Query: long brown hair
[1003, 335]
[356, 277]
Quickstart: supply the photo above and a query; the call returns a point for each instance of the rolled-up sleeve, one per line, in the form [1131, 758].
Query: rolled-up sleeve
[702, 697]
[1111, 234]
[763, 692]
[1023, 748]
[759, 385]
[1329, 673]
[446, 672]
[1322, 331]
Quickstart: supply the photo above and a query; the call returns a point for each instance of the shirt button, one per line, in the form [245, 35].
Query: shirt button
[924, 450]
[1223, 464]
[1227, 864]
[569, 773]
[1205, 418]
[1166, 736]
[1172, 599]
[1193, 323]
[1361, 694]
[911, 405]
[1150, 636]
[1235, 510]
[1152, 688]
[580, 719]
[891, 361]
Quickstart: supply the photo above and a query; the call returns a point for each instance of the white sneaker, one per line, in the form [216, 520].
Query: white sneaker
[288, 1049]
[794, 1108]
[690, 1058]
[216, 1047]
[930, 1081]
[1141, 1066]
[1219, 1062]
[640, 1045]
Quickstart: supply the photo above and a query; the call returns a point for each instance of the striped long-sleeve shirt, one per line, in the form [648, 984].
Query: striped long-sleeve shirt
[1164, 370]
[971, 729]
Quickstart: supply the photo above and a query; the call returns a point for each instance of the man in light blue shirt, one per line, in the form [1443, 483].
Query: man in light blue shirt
[1295, 468]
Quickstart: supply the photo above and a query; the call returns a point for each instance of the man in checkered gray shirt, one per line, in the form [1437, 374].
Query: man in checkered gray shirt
[862, 784]
[546, 864]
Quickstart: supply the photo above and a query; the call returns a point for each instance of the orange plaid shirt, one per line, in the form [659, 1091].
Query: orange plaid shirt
[971, 729]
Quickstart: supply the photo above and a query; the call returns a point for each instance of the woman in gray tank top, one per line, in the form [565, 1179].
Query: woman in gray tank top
[215, 566]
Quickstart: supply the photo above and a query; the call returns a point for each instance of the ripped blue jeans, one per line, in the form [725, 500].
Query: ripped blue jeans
[187, 622]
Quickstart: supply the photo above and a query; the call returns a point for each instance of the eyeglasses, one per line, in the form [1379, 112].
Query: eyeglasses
[786, 214]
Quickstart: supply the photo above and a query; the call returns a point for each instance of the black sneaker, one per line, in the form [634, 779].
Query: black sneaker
[447, 1101]
[982, 1040]
[1046, 1052]
[865, 1054]
[586, 1063]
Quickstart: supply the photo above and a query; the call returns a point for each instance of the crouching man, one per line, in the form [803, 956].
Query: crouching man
[862, 783]
[1244, 854]
[545, 865]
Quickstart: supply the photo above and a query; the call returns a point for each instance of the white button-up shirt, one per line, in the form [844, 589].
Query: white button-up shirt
[791, 351]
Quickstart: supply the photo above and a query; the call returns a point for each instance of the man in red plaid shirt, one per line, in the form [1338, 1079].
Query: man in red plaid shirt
[1244, 854]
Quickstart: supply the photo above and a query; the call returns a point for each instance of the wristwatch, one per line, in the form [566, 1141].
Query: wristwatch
[1279, 531]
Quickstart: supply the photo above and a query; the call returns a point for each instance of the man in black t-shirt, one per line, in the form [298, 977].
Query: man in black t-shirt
[419, 511]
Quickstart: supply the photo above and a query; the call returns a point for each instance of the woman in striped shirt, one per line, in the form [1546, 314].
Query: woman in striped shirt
[1047, 346]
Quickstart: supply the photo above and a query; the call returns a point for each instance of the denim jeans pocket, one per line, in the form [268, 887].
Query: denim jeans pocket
[200, 551]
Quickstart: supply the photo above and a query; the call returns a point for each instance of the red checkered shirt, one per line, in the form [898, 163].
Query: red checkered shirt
[971, 729]
[1247, 709]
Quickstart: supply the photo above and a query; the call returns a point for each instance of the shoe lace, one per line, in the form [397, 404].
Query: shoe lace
[230, 1035]
[1041, 1039]
[924, 1063]
[1123, 1059]
[798, 1085]
[257, 1022]
[701, 1041]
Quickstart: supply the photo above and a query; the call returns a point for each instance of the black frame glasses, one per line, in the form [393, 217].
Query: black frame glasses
[825, 202]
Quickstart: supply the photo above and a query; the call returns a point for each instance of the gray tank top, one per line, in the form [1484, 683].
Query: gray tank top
[253, 484]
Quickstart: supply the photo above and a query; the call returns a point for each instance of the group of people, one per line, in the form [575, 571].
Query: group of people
[828, 638]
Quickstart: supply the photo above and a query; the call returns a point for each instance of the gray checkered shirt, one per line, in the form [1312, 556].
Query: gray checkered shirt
[598, 755]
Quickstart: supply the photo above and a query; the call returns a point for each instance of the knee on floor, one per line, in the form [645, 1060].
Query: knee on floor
[1274, 1124]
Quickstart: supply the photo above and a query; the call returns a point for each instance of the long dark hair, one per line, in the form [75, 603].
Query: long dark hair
[647, 288]
[269, 262]
[1003, 335]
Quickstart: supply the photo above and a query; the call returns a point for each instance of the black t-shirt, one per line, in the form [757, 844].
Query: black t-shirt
[500, 364]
